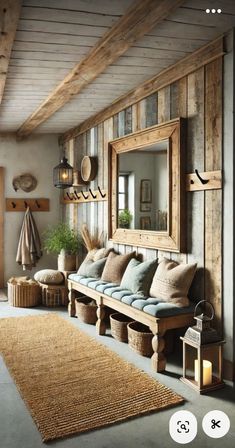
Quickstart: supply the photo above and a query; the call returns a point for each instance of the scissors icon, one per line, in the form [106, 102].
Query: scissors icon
[215, 424]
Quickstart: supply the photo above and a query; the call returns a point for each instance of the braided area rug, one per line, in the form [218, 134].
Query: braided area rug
[70, 382]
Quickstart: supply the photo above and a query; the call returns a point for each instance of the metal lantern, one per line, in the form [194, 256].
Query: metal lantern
[202, 369]
[63, 174]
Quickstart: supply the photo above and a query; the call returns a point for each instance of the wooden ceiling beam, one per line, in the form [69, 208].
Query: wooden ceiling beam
[139, 19]
[182, 68]
[9, 16]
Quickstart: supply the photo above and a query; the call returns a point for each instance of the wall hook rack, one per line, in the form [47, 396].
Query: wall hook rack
[92, 194]
[101, 194]
[20, 205]
[84, 196]
[70, 197]
[211, 180]
[77, 196]
[203, 181]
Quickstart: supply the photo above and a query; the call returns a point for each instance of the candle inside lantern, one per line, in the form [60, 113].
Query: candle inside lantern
[207, 371]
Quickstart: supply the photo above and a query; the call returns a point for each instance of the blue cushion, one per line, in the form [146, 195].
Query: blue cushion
[163, 309]
[120, 294]
[102, 287]
[85, 280]
[94, 283]
[151, 305]
[75, 277]
[129, 299]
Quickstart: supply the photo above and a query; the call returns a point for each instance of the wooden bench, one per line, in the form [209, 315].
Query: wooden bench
[158, 325]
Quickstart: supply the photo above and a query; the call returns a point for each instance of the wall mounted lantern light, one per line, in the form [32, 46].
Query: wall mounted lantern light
[63, 174]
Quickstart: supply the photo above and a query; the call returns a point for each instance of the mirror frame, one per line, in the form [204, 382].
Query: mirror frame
[173, 239]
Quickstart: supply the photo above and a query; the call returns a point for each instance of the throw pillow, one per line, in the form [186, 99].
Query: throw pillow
[138, 276]
[90, 268]
[115, 267]
[171, 282]
[49, 277]
[97, 254]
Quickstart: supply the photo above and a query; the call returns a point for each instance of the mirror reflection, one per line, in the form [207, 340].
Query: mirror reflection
[143, 188]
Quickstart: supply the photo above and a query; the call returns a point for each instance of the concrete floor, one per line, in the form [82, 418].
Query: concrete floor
[17, 428]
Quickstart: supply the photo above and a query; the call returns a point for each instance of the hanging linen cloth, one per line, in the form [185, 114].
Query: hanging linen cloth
[29, 247]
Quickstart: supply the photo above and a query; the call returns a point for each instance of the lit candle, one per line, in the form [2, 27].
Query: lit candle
[207, 371]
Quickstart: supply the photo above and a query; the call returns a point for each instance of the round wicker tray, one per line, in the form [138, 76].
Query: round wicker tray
[140, 338]
[86, 310]
[88, 168]
[118, 323]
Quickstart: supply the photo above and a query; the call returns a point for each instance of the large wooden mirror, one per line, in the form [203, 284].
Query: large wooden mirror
[146, 185]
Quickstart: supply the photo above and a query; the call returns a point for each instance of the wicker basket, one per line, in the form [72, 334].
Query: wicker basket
[140, 338]
[24, 295]
[54, 295]
[118, 323]
[86, 310]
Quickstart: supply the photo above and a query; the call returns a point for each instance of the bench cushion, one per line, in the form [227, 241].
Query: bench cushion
[153, 306]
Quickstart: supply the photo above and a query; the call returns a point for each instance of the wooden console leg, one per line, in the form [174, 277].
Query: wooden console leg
[158, 358]
[100, 324]
[71, 305]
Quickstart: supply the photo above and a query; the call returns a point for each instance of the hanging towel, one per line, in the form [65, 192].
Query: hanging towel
[29, 248]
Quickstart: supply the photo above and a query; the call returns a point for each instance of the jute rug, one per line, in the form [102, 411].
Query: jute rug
[71, 383]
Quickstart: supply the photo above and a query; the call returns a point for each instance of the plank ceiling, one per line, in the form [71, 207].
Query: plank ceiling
[54, 35]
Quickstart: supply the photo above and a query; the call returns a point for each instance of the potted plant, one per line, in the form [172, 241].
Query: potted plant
[124, 218]
[65, 242]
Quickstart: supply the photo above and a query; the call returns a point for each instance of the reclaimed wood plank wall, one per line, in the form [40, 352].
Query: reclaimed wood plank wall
[197, 97]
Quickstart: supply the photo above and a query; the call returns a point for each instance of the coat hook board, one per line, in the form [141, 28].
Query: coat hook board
[208, 180]
[20, 205]
[85, 196]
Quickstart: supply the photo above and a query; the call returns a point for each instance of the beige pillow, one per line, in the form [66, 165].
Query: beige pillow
[171, 282]
[115, 267]
[97, 254]
[49, 277]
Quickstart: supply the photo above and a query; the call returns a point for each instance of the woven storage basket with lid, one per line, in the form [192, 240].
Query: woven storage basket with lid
[140, 338]
[118, 323]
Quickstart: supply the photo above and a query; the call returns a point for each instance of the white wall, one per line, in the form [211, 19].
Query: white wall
[36, 155]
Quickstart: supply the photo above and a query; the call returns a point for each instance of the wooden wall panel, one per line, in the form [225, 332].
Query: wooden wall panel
[195, 159]
[213, 198]
[196, 97]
